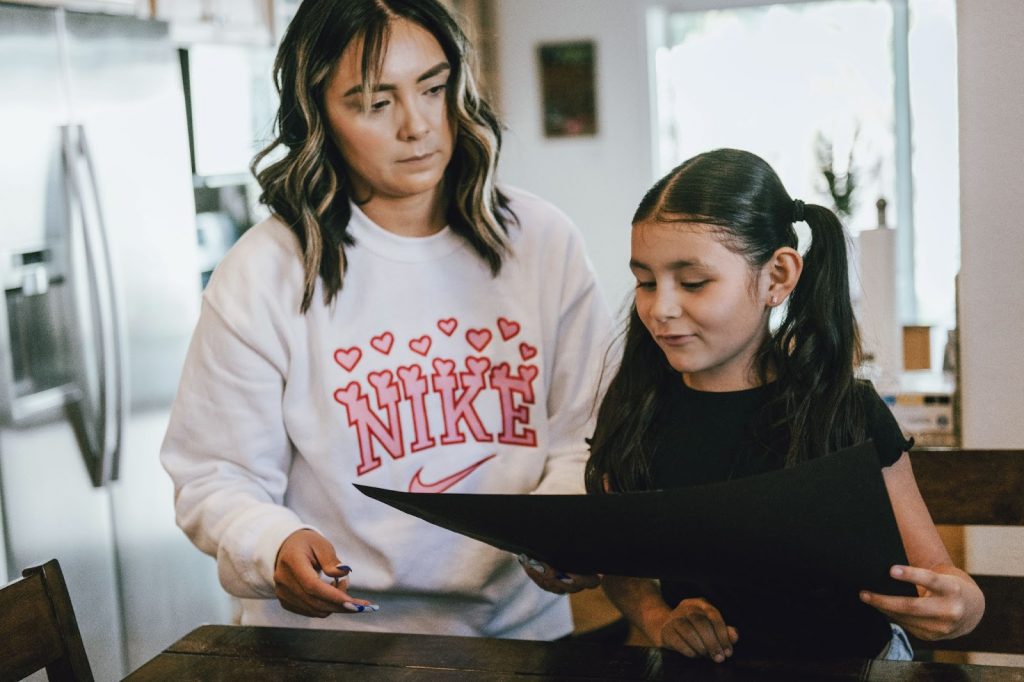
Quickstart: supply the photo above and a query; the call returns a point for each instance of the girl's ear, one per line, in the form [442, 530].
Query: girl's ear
[783, 270]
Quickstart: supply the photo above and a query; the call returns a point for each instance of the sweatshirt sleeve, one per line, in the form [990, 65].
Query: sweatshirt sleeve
[583, 336]
[226, 447]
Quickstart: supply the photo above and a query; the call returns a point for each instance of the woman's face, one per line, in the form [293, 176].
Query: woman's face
[397, 143]
[700, 302]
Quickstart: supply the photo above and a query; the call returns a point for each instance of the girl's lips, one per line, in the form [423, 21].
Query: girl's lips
[676, 339]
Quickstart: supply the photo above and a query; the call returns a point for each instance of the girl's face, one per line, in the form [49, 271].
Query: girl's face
[398, 144]
[702, 304]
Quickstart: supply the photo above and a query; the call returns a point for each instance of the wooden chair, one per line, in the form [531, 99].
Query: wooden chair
[979, 488]
[38, 628]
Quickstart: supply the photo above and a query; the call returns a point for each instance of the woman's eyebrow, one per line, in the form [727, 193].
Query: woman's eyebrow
[435, 70]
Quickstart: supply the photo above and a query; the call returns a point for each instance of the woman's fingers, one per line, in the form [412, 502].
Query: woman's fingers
[299, 585]
[553, 580]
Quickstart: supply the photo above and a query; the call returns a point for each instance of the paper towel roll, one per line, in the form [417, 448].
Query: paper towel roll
[876, 312]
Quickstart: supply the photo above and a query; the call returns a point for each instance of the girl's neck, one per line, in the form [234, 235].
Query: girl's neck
[417, 216]
[726, 384]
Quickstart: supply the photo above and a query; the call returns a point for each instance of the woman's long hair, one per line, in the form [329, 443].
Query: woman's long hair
[810, 355]
[307, 186]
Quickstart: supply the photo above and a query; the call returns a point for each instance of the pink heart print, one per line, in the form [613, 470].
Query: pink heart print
[508, 328]
[447, 326]
[526, 351]
[382, 343]
[348, 358]
[478, 338]
[421, 345]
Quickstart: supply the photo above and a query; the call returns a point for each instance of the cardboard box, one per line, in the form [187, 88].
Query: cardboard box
[917, 347]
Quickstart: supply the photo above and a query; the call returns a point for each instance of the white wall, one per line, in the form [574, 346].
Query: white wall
[598, 181]
[990, 38]
[991, 64]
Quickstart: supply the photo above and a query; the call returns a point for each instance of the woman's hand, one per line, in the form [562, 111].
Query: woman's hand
[297, 583]
[696, 629]
[552, 580]
[949, 603]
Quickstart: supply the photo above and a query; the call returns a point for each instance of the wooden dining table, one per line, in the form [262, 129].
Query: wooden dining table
[232, 652]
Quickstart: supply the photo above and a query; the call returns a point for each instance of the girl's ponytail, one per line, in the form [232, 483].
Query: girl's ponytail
[817, 344]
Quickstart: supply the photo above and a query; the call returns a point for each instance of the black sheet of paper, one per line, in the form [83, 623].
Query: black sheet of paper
[827, 518]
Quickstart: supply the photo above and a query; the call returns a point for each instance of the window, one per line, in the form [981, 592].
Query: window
[869, 85]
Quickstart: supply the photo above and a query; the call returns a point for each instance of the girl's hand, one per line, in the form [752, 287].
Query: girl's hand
[297, 582]
[552, 580]
[940, 611]
[695, 628]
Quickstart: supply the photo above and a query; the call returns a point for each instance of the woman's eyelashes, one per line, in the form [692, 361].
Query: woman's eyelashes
[379, 105]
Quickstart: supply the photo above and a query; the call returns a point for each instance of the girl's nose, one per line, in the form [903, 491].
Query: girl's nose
[666, 306]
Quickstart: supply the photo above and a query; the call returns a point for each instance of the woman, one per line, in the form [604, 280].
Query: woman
[399, 321]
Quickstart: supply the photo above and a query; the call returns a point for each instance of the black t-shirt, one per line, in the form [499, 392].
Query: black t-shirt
[712, 437]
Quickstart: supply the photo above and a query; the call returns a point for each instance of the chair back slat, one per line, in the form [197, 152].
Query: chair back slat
[971, 487]
[38, 628]
[965, 487]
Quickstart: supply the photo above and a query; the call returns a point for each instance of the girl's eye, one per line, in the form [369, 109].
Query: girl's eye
[378, 105]
[694, 286]
[646, 286]
[437, 89]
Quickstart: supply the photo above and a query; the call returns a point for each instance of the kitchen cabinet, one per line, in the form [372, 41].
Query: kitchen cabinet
[131, 7]
[217, 21]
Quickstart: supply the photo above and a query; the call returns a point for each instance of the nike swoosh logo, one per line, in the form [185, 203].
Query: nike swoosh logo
[416, 485]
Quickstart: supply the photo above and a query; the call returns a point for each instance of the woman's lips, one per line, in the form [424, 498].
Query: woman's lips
[417, 159]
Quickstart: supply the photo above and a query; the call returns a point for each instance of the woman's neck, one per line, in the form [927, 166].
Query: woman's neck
[417, 216]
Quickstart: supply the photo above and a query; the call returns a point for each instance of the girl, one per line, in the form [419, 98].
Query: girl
[707, 391]
[398, 321]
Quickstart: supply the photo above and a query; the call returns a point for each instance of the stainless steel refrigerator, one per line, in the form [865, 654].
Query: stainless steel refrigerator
[99, 265]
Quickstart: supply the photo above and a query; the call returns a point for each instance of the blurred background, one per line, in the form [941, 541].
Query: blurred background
[902, 115]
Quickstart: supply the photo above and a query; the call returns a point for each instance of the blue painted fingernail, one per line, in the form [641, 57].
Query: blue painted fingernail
[344, 567]
[360, 608]
[537, 566]
[565, 578]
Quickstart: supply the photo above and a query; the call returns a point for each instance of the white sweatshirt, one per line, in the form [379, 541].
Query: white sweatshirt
[426, 374]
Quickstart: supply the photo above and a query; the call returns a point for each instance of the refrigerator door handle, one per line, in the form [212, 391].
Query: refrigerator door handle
[109, 428]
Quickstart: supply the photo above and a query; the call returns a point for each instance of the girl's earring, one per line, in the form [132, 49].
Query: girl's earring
[774, 301]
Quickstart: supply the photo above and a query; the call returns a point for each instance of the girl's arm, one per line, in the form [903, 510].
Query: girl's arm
[694, 628]
[949, 603]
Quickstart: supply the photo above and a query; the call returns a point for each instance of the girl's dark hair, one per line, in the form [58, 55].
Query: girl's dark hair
[811, 354]
[305, 182]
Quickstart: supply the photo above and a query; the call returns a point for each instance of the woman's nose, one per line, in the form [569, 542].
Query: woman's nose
[414, 123]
